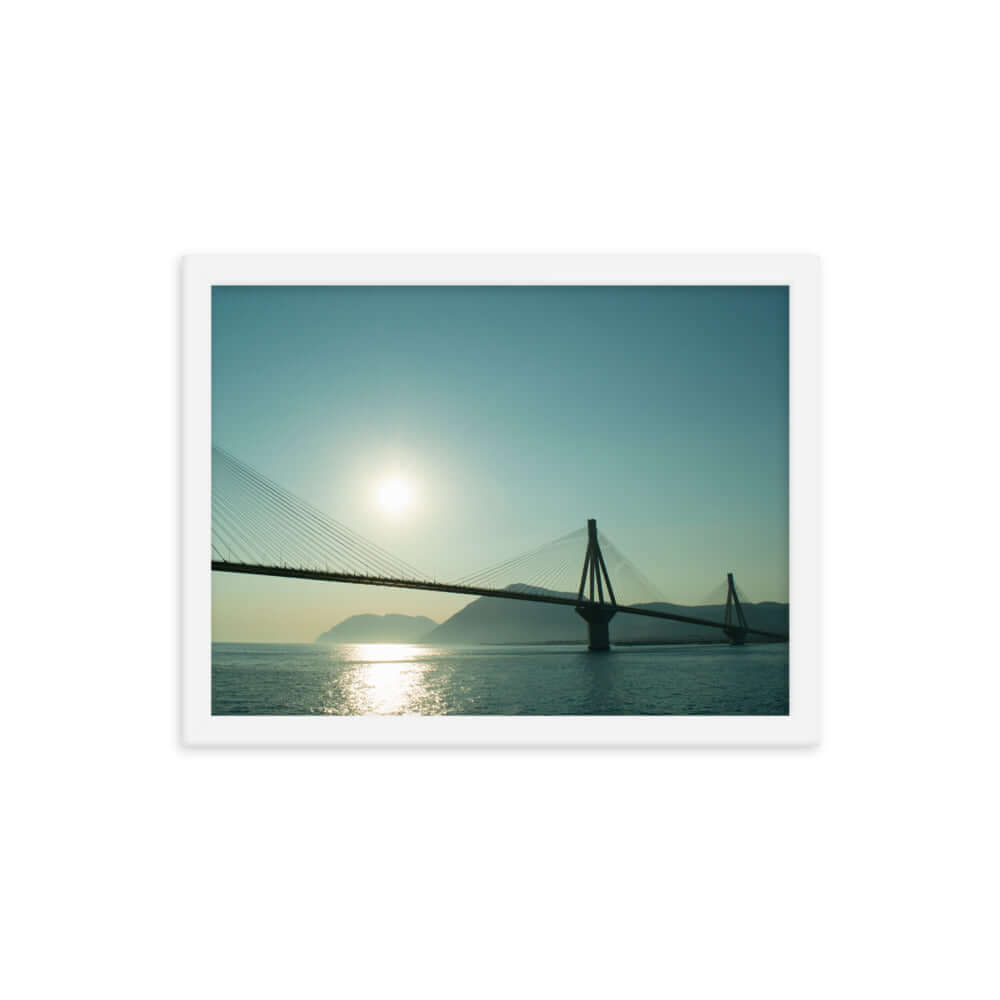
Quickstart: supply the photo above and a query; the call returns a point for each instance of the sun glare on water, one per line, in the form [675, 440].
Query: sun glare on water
[394, 496]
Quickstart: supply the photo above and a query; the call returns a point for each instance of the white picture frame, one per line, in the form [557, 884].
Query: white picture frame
[800, 272]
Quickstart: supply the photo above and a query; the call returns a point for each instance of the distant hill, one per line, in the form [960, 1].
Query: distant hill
[379, 628]
[495, 620]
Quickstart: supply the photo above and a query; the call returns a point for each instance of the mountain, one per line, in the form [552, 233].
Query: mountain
[379, 628]
[495, 620]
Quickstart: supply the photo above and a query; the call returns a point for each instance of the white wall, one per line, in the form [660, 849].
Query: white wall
[861, 131]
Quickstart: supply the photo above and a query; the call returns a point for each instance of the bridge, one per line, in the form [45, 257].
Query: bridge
[261, 529]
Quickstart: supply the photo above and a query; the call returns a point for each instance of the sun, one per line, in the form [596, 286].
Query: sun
[394, 496]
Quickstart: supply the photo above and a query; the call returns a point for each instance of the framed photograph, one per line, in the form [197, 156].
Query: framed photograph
[500, 500]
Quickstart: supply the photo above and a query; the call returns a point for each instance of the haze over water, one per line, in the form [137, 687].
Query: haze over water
[399, 679]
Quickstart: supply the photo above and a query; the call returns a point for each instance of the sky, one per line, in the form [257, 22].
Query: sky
[511, 415]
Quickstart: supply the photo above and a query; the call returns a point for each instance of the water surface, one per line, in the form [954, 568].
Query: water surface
[395, 679]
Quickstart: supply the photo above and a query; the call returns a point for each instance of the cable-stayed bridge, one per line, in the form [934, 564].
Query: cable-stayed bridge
[261, 529]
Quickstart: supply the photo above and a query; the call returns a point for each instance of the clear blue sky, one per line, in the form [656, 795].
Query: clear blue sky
[514, 414]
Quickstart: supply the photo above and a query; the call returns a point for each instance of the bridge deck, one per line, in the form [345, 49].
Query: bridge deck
[454, 588]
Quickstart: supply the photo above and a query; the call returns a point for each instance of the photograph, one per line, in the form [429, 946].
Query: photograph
[500, 500]
[467, 467]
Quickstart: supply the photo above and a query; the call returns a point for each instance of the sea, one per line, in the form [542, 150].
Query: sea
[400, 679]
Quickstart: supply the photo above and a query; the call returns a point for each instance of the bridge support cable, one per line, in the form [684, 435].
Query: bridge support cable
[306, 532]
[243, 539]
[718, 594]
[303, 541]
[274, 524]
[551, 582]
[541, 567]
[229, 531]
[297, 540]
[260, 523]
[257, 534]
[552, 579]
[634, 587]
[551, 567]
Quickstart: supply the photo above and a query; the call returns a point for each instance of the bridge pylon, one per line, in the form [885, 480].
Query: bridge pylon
[736, 630]
[597, 613]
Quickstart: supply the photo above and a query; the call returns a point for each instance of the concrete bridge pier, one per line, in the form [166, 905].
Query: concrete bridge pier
[597, 618]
